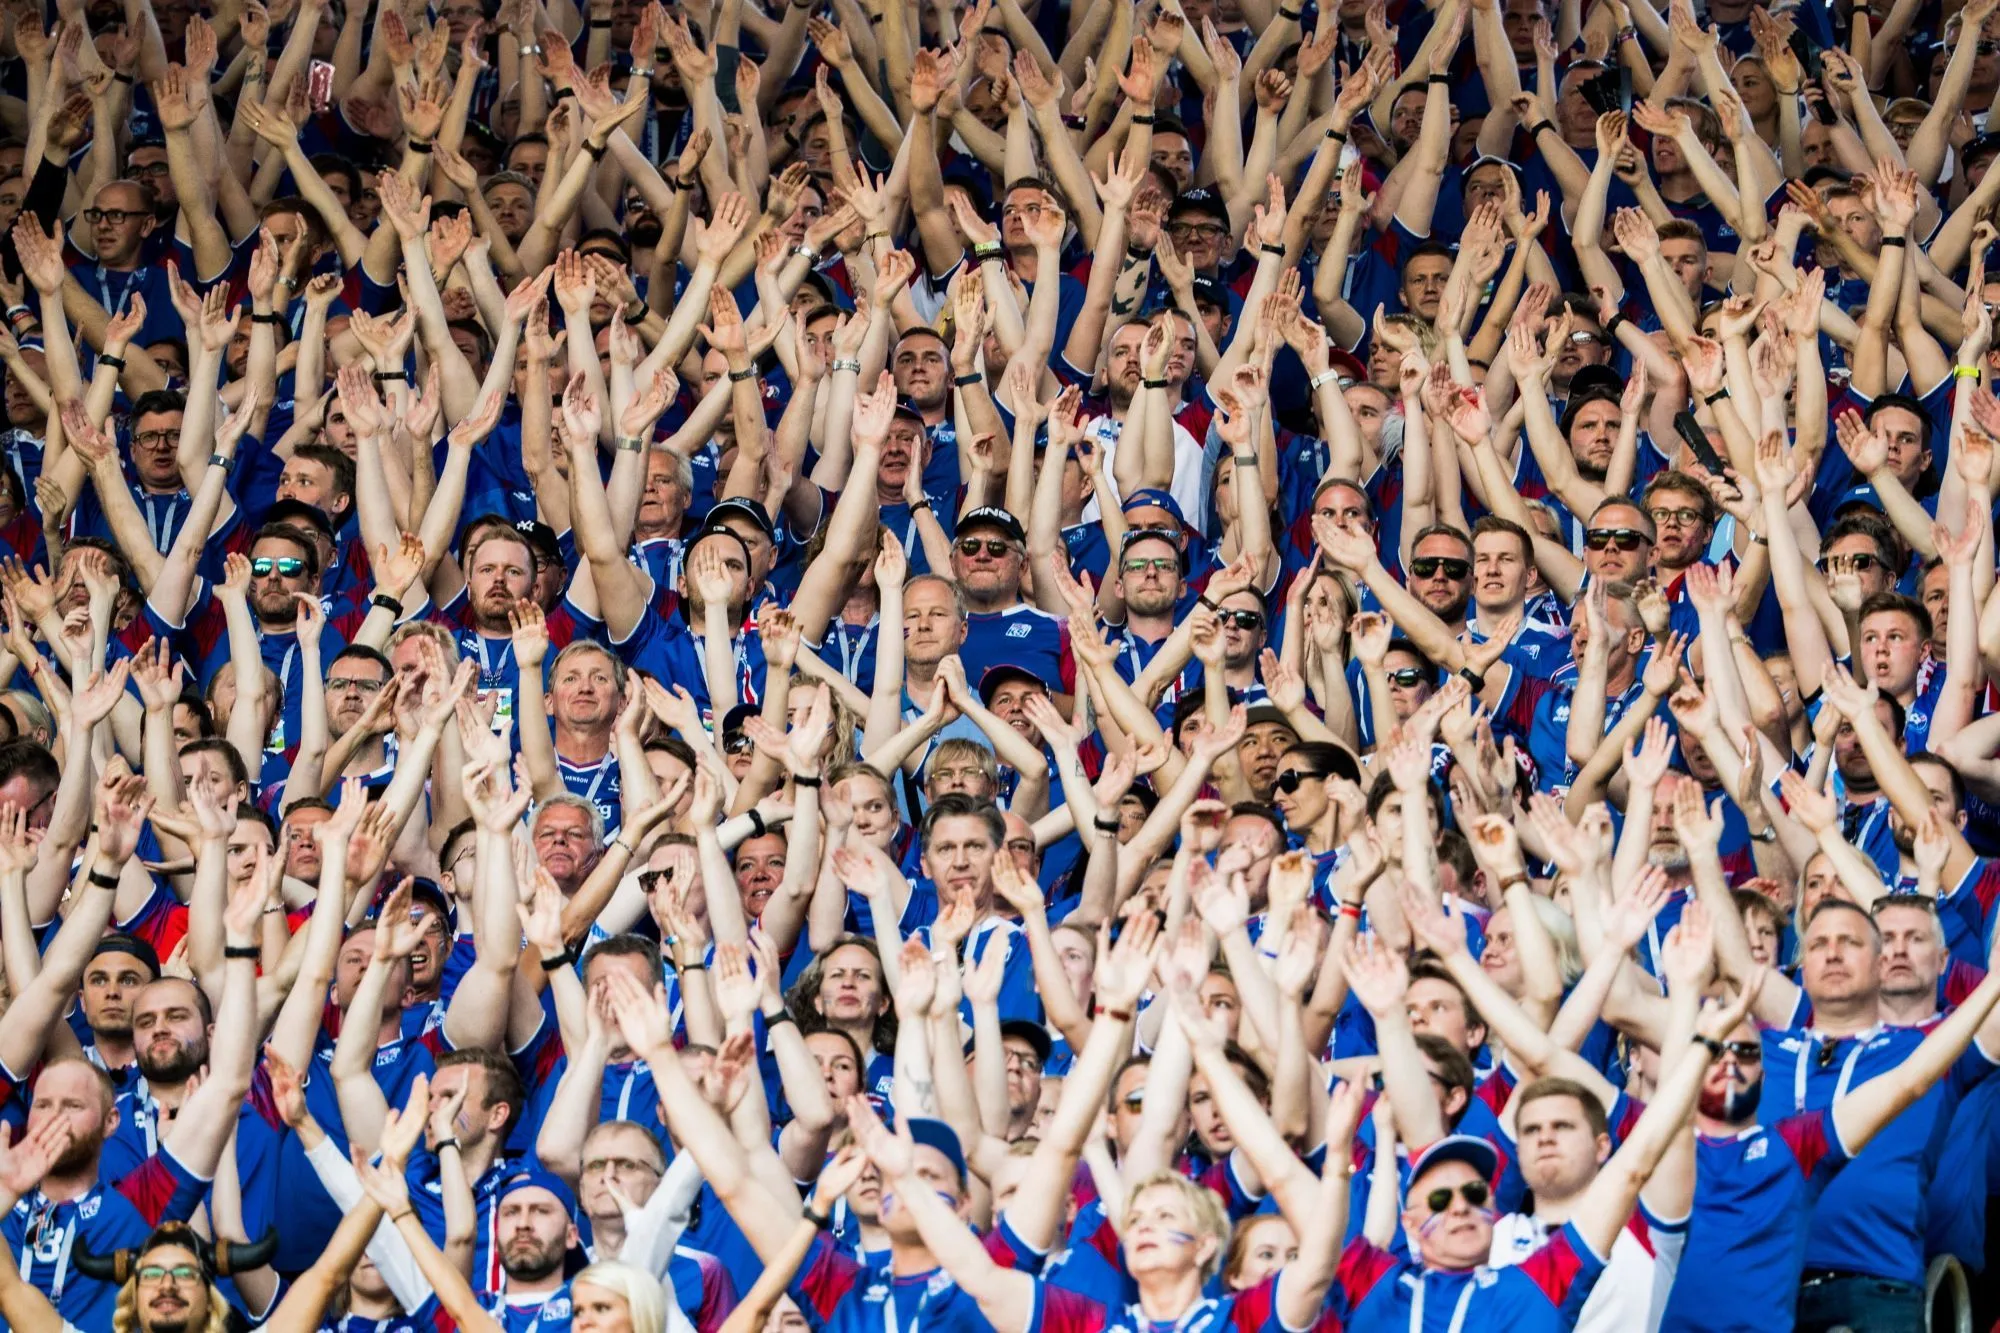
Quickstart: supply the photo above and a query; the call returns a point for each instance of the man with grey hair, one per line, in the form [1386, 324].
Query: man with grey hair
[568, 833]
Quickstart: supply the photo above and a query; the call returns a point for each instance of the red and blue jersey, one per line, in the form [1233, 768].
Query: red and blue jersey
[1753, 1200]
[1542, 1294]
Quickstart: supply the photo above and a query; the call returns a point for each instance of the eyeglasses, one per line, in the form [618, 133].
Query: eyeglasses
[1164, 564]
[995, 547]
[1210, 231]
[149, 169]
[1241, 619]
[624, 1166]
[117, 217]
[153, 439]
[1625, 539]
[1473, 1192]
[343, 684]
[1676, 518]
[1860, 564]
[1026, 1060]
[284, 566]
[1427, 567]
[154, 1273]
[1292, 779]
[1407, 676]
[1588, 336]
[1743, 1052]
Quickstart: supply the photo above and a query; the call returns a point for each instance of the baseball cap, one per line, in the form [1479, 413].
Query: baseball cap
[1034, 1034]
[299, 514]
[907, 407]
[1346, 366]
[132, 947]
[535, 1177]
[1207, 291]
[740, 507]
[994, 677]
[540, 536]
[1155, 497]
[1475, 1152]
[1864, 494]
[1200, 199]
[937, 1134]
[1256, 713]
[992, 516]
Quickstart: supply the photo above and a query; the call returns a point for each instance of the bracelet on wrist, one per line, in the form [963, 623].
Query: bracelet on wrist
[421, 145]
[387, 603]
[630, 444]
[967, 381]
[451, 1142]
[125, 79]
[101, 879]
[1338, 136]
[739, 376]
[1473, 678]
[1267, 249]
[696, 966]
[1716, 397]
[778, 1019]
[556, 962]
[820, 1220]
[118, 362]
[1293, 14]
[922, 503]
[267, 317]
[813, 781]
[1895, 240]
[1120, 1015]
[1957, 372]
[1535, 130]
[1146, 118]
[279, 908]
[1617, 317]
[392, 376]
[758, 828]
[534, 49]
[1105, 823]
[1439, 78]
[985, 250]
[596, 150]
[1324, 378]
[848, 363]
[1153, 384]
[249, 951]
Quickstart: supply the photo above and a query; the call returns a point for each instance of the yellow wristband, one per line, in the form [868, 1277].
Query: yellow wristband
[1965, 372]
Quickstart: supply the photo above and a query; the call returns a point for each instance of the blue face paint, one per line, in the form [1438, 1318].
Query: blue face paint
[1180, 1237]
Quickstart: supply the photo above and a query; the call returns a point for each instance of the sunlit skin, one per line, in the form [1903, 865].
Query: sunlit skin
[1874, 573]
[1892, 652]
[1438, 1007]
[1267, 1243]
[760, 868]
[1559, 1153]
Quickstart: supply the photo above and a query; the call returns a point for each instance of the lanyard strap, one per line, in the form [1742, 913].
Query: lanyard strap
[590, 792]
[112, 307]
[488, 675]
[1457, 1324]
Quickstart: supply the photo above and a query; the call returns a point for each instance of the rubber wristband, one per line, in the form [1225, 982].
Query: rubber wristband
[556, 962]
[630, 444]
[803, 780]
[1339, 136]
[125, 79]
[600, 23]
[1617, 317]
[758, 827]
[118, 362]
[387, 603]
[1146, 119]
[1439, 78]
[269, 317]
[738, 376]
[1277, 250]
[694, 967]
[397, 376]
[1106, 825]
[1074, 122]
[1535, 130]
[779, 1019]
[596, 150]
[920, 504]
[1121, 1015]
[250, 951]
[1716, 397]
[967, 381]
[1895, 240]
[1472, 678]
[1351, 910]
[421, 145]
[1154, 384]
[442, 1144]
[1957, 372]
[1293, 14]
[820, 1220]
[278, 908]
[102, 880]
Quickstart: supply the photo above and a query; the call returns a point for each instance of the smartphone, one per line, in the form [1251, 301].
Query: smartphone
[1625, 90]
[319, 87]
[1809, 61]
[1697, 442]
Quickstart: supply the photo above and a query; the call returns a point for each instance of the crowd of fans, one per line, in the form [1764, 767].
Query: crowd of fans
[1093, 667]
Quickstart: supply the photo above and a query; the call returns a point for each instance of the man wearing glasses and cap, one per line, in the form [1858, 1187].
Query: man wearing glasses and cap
[988, 559]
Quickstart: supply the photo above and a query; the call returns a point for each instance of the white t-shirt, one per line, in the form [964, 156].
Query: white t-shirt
[1632, 1294]
[1188, 462]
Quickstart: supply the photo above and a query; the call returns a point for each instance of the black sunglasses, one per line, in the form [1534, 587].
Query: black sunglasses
[1426, 567]
[737, 743]
[1473, 1192]
[1625, 539]
[289, 566]
[1744, 1052]
[649, 880]
[1292, 779]
[1241, 619]
[1407, 676]
[995, 547]
[1860, 562]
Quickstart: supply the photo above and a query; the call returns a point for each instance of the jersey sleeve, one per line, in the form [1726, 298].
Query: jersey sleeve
[825, 1277]
[162, 1189]
[1006, 1248]
[1059, 1311]
[1565, 1269]
[1362, 1267]
[1814, 1142]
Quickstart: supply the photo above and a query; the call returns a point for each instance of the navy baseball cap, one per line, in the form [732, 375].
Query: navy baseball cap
[535, 1177]
[1475, 1152]
[1200, 199]
[299, 514]
[1156, 497]
[132, 947]
[995, 676]
[937, 1134]
[740, 507]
